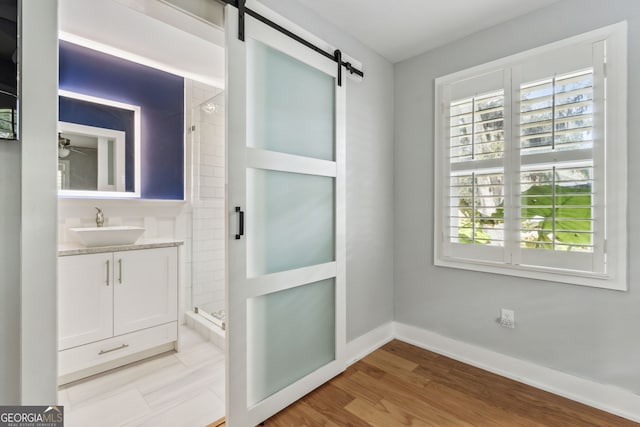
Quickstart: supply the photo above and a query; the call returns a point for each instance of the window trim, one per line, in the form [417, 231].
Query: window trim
[615, 243]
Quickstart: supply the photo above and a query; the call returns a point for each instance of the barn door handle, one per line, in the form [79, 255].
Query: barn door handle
[240, 223]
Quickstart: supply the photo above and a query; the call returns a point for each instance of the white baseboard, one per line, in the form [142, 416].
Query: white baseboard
[605, 397]
[369, 342]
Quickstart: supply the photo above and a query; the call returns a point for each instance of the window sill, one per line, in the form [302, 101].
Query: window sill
[571, 277]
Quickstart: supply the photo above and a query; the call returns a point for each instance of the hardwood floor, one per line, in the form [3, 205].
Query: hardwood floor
[218, 423]
[403, 385]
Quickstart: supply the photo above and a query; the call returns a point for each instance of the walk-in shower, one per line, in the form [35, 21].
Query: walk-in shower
[208, 220]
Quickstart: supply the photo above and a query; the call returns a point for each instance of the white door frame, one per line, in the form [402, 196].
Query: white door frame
[39, 216]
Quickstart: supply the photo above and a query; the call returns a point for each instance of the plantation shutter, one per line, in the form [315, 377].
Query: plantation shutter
[476, 120]
[560, 105]
[530, 165]
[524, 161]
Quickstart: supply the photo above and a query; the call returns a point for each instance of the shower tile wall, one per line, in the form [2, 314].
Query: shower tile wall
[208, 192]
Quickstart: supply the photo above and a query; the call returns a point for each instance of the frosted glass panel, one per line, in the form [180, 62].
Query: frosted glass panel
[291, 105]
[290, 221]
[291, 333]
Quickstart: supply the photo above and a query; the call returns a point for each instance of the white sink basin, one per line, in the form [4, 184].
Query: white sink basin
[108, 236]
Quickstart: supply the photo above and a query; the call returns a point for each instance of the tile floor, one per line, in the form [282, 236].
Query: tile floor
[183, 389]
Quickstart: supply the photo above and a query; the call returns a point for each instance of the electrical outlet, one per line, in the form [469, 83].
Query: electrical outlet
[507, 318]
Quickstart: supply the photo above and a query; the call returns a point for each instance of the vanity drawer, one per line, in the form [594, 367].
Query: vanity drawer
[111, 350]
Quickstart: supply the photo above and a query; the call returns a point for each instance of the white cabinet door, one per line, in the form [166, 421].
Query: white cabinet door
[85, 299]
[146, 289]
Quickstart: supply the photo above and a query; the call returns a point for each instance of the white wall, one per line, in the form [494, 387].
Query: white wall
[9, 272]
[369, 175]
[38, 142]
[587, 332]
[28, 361]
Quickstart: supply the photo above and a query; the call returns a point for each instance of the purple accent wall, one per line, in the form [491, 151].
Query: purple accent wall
[160, 96]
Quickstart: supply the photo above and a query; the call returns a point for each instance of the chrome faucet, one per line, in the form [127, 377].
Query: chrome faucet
[99, 218]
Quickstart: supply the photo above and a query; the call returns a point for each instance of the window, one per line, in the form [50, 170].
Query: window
[531, 163]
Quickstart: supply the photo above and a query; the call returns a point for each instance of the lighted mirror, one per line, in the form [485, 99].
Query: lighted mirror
[98, 147]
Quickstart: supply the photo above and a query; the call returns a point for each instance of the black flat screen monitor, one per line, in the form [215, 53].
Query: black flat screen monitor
[8, 69]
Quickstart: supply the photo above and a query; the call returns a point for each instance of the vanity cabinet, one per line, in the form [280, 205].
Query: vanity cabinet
[114, 305]
[85, 299]
[145, 289]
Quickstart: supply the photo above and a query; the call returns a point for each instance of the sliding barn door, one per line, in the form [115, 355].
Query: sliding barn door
[286, 228]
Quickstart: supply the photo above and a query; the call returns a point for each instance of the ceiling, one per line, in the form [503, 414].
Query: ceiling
[400, 29]
[149, 32]
[154, 33]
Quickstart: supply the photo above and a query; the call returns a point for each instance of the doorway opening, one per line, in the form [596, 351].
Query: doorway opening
[167, 368]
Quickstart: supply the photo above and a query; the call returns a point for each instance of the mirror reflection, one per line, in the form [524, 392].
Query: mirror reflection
[90, 158]
[98, 147]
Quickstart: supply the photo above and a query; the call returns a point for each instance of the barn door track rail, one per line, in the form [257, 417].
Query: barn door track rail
[335, 56]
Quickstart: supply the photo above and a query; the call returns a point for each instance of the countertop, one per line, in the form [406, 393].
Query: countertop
[67, 249]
